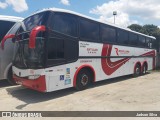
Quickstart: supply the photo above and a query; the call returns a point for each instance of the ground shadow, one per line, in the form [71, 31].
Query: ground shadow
[31, 96]
[4, 83]
[114, 80]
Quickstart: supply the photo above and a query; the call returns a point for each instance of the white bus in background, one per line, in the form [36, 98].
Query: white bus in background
[58, 49]
[8, 25]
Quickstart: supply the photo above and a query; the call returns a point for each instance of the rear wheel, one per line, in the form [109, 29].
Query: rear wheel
[137, 71]
[10, 77]
[144, 69]
[83, 79]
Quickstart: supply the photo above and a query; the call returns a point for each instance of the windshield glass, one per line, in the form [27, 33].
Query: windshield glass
[5, 26]
[29, 58]
[25, 57]
[33, 21]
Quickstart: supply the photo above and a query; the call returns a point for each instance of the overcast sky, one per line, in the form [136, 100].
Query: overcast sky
[128, 11]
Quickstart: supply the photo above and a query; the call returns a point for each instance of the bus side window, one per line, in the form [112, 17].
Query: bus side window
[55, 48]
[133, 39]
[122, 36]
[89, 30]
[108, 34]
[5, 26]
[141, 41]
[65, 24]
[154, 44]
[148, 42]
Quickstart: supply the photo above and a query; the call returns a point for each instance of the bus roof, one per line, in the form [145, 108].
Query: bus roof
[10, 18]
[84, 16]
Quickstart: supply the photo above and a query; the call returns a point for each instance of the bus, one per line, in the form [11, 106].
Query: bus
[57, 49]
[8, 25]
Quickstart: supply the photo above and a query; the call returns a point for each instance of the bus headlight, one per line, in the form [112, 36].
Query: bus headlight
[32, 77]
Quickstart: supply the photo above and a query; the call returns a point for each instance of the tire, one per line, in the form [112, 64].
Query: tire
[144, 69]
[137, 71]
[83, 79]
[10, 77]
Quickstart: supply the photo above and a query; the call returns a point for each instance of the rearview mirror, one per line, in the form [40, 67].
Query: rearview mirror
[5, 38]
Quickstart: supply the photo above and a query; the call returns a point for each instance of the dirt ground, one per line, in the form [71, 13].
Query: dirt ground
[119, 94]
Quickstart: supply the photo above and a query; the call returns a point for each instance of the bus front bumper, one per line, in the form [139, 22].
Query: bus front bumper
[38, 84]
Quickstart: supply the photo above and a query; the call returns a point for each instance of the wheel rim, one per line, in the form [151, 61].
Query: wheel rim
[137, 71]
[84, 80]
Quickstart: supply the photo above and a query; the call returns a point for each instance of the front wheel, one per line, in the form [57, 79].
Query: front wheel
[10, 77]
[83, 79]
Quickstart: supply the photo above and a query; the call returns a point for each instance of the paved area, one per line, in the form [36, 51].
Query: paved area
[119, 94]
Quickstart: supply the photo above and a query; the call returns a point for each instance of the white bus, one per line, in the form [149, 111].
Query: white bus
[8, 25]
[58, 49]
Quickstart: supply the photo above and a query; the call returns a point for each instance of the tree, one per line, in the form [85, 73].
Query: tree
[135, 27]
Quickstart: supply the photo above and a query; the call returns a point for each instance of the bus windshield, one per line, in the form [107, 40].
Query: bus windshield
[5, 26]
[29, 58]
[24, 57]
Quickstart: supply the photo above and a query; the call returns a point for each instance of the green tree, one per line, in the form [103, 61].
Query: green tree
[136, 27]
[150, 29]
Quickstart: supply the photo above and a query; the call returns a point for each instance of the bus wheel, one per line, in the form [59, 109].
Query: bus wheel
[10, 77]
[83, 79]
[137, 71]
[144, 69]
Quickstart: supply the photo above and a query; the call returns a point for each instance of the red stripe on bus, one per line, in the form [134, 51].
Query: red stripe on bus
[108, 66]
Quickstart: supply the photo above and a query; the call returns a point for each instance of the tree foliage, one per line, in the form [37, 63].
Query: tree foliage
[136, 27]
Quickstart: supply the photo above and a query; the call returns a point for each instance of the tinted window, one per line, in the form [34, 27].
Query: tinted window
[89, 30]
[15, 28]
[108, 34]
[142, 41]
[133, 39]
[5, 26]
[55, 48]
[61, 50]
[71, 50]
[154, 44]
[148, 42]
[122, 36]
[66, 24]
[33, 21]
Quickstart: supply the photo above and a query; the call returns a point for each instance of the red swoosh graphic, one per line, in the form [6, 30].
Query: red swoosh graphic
[108, 66]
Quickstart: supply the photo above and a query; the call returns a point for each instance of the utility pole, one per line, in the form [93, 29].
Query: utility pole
[114, 13]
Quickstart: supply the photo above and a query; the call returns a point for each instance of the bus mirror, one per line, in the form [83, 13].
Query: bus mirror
[33, 34]
[5, 38]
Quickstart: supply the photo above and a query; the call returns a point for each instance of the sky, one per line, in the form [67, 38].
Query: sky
[128, 11]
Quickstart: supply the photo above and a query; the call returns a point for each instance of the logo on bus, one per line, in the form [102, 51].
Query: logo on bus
[121, 51]
[92, 50]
